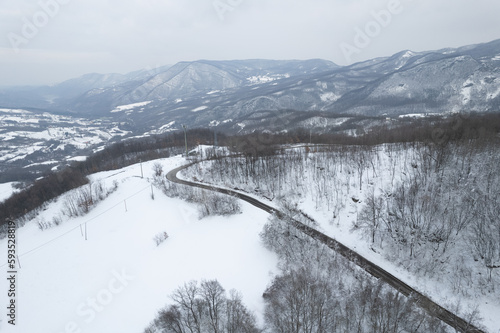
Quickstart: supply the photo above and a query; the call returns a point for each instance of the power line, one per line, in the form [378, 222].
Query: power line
[79, 225]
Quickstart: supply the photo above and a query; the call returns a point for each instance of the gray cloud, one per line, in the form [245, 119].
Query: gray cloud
[59, 39]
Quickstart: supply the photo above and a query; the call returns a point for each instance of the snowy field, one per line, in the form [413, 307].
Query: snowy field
[6, 191]
[118, 278]
[28, 138]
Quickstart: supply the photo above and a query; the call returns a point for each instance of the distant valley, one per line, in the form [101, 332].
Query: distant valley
[57, 123]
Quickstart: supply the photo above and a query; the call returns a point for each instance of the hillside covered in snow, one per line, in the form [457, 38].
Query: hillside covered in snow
[67, 283]
[128, 240]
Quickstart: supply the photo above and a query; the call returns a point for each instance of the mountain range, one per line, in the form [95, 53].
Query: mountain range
[243, 95]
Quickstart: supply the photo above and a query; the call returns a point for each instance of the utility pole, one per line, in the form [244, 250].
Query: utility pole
[185, 140]
[215, 143]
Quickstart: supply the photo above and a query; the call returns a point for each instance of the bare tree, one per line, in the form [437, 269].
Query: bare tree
[237, 318]
[214, 298]
[485, 235]
[190, 306]
[371, 216]
[204, 309]
[299, 302]
[157, 169]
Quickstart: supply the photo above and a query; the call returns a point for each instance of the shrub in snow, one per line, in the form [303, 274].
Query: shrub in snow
[84, 199]
[157, 169]
[160, 237]
[42, 224]
[57, 220]
[213, 203]
[115, 187]
[209, 203]
[168, 188]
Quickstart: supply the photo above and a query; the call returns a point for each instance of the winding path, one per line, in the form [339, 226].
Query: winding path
[423, 301]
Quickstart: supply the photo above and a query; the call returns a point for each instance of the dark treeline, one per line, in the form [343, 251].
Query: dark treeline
[131, 151]
[41, 191]
[436, 130]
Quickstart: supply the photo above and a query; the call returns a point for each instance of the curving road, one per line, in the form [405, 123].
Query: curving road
[423, 301]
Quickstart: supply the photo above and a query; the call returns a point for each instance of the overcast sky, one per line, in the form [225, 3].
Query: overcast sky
[48, 41]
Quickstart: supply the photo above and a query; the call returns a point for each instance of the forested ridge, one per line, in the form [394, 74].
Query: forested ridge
[435, 131]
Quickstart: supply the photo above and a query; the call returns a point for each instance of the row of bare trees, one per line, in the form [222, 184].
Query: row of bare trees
[209, 203]
[204, 308]
[84, 199]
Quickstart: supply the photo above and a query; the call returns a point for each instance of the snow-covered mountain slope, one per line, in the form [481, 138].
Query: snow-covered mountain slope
[188, 80]
[118, 278]
[244, 95]
[443, 81]
[6, 190]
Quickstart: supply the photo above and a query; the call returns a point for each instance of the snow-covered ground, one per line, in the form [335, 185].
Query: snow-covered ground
[200, 108]
[129, 107]
[118, 278]
[28, 139]
[6, 191]
[163, 129]
[266, 78]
